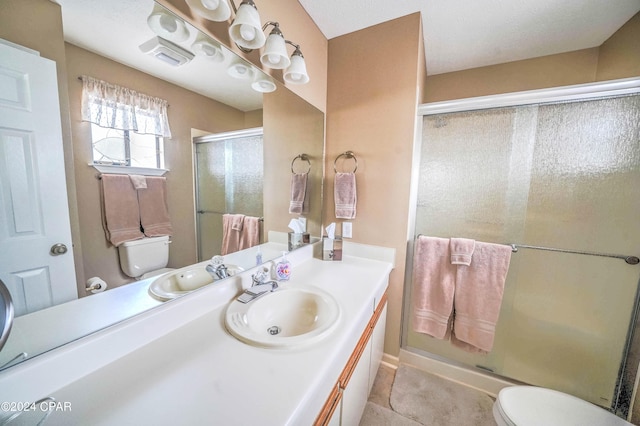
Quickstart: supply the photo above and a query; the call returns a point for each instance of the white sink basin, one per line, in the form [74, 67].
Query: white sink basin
[289, 317]
[183, 281]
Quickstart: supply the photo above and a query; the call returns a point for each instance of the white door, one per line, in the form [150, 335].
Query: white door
[34, 214]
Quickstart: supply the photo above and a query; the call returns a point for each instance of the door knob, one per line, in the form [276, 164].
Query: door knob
[58, 249]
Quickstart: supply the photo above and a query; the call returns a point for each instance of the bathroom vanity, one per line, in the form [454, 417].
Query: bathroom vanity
[178, 364]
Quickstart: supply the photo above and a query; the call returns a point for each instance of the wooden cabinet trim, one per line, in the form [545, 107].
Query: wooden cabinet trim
[336, 394]
[362, 344]
[333, 401]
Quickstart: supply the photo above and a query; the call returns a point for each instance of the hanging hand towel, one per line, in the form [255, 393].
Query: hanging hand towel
[250, 235]
[461, 251]
[233, 239]
[433, 287]
[138, 181]
[298, 193]
[230, 236]
[237, 222]
[154, 212]
[479, 289]
[344, 191]
[120, 212]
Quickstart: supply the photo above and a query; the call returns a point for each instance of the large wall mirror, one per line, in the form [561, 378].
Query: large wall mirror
[102, 39]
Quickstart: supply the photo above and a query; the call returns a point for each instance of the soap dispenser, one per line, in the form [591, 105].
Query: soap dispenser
[283, 268]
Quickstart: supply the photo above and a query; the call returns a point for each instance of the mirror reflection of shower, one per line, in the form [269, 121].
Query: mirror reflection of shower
[229, 179]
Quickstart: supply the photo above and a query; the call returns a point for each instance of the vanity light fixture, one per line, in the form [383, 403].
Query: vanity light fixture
[297, 71]
[213, 10]
[247, 33]
[207, 50]
[245, 30]
[275, 49]
[166, 51]
[263, 85]
[241, 71]
[168, 26]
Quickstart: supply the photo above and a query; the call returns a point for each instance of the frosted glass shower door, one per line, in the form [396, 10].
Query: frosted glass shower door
[570, 315]
[229, 179]
[565, 176]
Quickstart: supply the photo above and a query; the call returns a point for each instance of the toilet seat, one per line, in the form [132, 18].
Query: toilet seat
[534, 406]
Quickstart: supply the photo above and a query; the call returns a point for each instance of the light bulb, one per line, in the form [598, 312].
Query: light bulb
[168, 23]
[247, 32]
[209, 50]
[211, 4]
[273, 58]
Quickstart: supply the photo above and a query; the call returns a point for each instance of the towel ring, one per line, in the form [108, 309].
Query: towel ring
[303, 157]
[348, 154]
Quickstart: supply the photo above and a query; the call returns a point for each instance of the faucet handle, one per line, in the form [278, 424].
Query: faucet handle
[260, 277]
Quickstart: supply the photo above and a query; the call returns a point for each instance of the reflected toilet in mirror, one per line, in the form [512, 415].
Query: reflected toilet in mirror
[145, 258]
[223, 103]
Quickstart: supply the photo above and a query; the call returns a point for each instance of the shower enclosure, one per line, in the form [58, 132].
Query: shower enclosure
[561, 175]
[229, 176]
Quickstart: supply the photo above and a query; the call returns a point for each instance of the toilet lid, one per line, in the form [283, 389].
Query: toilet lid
[530, 405]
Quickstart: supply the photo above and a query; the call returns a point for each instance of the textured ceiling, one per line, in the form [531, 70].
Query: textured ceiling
[462, 34]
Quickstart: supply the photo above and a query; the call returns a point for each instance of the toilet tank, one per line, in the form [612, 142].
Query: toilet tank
[141, 256]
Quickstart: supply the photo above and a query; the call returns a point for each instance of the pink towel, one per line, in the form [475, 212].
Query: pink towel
[479, 289]
[120, 212]
[461, 251]
[299, 194]
[433, 286]
[154, 211]
[234, 240]
[250, 235]
[344, 193]
[230, 236]
[237, 222]
[138, 181]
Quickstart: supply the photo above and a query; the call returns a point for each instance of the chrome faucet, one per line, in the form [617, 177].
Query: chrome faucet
[259, 286]
[217, 269]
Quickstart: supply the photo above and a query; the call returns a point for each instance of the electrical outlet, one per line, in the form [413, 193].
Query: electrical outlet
[347, 230]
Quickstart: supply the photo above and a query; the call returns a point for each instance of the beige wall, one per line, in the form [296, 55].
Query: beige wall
[620, 54]
[295, 24]
[618, 57]
[547, 71]
[371, 110]
[292, 126]
[37, 24]
[187, 110]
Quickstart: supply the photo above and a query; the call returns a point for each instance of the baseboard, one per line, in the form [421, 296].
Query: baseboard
[464, 376]
[390, 360]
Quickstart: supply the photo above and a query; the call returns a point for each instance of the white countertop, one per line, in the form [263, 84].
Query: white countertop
[178, 365]
[43, 330]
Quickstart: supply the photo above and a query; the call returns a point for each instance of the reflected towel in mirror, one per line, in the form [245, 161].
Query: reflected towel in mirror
[120, 211]
[299, 194]
[234, 240]
[154, 211]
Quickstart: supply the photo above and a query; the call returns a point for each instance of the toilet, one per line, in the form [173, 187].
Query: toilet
[535, 406]
[145, 258]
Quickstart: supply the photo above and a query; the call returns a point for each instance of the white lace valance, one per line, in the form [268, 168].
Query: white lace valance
[109, 105]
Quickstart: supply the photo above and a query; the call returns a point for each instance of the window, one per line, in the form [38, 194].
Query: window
[126, 148]
[127, 128]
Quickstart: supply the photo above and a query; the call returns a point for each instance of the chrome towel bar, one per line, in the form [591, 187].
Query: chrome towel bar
[631, 260]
